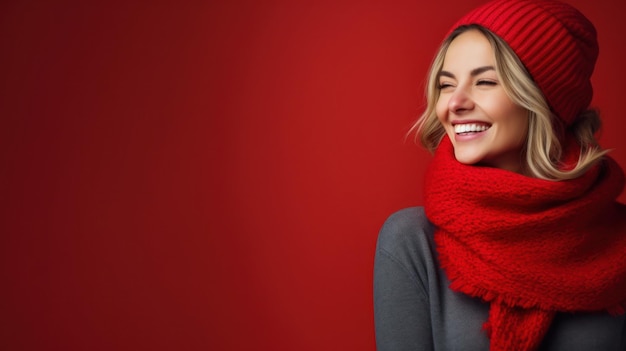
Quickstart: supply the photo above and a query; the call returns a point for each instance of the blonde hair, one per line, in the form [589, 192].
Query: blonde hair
[543, 149]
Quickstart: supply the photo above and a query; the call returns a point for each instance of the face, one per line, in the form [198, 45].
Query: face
[483, 123]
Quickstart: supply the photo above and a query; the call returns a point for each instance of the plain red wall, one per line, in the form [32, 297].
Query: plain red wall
[212, 175]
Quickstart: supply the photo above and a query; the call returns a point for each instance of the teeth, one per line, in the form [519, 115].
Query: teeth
[469, 128]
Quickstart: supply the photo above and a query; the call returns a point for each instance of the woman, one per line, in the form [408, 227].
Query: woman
[521, 244]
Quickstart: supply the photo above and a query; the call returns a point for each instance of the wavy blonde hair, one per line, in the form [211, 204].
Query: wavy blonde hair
[543, 149]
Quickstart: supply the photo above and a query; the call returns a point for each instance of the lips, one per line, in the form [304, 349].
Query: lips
[468, 128]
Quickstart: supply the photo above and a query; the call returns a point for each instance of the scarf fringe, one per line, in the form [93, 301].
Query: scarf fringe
[457, 283]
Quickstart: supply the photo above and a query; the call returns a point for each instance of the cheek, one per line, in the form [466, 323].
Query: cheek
[510, 115]
[441, 109]
[518, 127]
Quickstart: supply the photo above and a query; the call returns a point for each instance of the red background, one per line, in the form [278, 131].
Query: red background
[195, 176]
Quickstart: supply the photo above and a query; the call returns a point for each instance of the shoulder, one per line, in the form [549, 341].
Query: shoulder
[407, 236]
[403, 227]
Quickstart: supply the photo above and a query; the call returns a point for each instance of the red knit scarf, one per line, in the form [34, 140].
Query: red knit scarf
[529, 247]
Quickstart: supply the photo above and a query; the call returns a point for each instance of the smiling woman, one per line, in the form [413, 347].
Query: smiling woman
[483, 123]
[545, 130]
[520, 230]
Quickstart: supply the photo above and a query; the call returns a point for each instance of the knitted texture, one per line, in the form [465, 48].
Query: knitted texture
[555, 42]
[530, 247]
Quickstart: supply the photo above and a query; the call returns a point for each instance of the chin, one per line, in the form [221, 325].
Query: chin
[467, 159]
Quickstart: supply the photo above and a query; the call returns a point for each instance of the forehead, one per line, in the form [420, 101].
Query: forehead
[469, 50]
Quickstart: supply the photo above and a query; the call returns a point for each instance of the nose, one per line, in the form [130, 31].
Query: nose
[460, 101]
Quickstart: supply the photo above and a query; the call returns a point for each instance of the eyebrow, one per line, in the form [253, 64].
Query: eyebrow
[473, 73]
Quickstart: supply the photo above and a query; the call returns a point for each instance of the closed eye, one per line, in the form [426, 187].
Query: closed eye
[486, 82]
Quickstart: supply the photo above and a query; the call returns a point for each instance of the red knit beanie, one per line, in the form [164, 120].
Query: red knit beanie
[556, 43]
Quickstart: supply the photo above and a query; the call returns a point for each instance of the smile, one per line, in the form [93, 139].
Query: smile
[470, 128]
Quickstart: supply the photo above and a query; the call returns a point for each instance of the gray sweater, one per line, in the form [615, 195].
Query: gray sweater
[415, 310]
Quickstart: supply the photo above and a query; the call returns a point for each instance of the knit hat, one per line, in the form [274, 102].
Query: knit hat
[556, 43]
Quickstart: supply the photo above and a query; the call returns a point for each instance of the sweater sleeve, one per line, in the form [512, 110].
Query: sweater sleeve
[401, 304]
